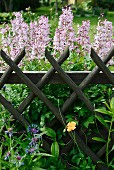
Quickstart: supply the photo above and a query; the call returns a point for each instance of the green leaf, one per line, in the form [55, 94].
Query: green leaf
[111, 149]
[88, 121]
[55, 149]
[112, 103]
[49, 132]
[99, 139]
[107, 121]
[100, 162]
[100, 119]
[107, 105]
[42, 154]
[104, 111]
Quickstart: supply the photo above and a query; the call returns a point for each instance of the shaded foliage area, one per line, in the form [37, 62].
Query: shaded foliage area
[109, 4]
[17, 5]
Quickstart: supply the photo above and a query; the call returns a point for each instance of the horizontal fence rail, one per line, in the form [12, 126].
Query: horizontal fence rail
[76, 76]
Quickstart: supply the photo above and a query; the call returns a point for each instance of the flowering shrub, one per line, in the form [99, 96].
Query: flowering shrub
[83, 38]
[35, 37]
[64, 34]
[103, 40]
[25, 150]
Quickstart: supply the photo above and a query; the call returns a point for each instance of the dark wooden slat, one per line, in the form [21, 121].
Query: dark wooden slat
[46, 77]
[102, 66]
[76, 76]
[81, 144]
[91, 77]
[103, 149]
[88, 152]
[85, 82]
[7, 73]
[101, 167]
[13, 111]
[37, 91]
[33, 87]
[69, 81]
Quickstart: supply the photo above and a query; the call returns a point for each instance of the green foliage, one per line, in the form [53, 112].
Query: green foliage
[49, 132]
[101, 120]
[18, 5]
[99, 139]
[39, 114]
[55, 149]
[110, 120]
[79, 160]
[5, 17]
[105, 4]
[19, 152]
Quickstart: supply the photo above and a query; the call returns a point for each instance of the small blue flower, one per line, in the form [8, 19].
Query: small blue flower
[27, 151]
[9, 132]
[33, 129]
[22, 163]
[30, 150]
[4, 88]
[7, 155]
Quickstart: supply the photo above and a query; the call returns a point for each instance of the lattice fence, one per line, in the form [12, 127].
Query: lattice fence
[77, 81]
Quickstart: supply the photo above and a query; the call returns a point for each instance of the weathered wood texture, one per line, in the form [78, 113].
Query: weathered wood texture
[77, 81]
[76, 76]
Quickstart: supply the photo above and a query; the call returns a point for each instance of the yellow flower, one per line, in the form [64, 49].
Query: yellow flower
[71, 126]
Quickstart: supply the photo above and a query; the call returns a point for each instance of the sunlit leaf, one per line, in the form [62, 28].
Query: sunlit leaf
[112, 103]
[100, 119]
[55, 149]
[103, 111]
[111, 149]
[107, 105]
[99, 139]
[49, 132]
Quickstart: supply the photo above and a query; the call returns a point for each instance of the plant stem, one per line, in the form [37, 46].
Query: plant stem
[74, 139]
[0, 158]
[108, 141]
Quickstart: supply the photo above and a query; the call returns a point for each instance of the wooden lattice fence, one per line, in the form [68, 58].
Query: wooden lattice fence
[77, 81]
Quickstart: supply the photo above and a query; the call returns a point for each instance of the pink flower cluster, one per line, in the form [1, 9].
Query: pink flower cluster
[64, 34]
[39, 37]
[103, 40]
[14, 37]
[34, 37]
[83, 39]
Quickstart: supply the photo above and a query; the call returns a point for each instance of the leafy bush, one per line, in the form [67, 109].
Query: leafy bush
[105, 4]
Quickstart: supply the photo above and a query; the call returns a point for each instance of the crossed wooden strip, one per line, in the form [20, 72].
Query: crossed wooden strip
[36, 91]
[6, 104]
[17, 112]
[83, 84]
[63, 74]
[88, 78]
